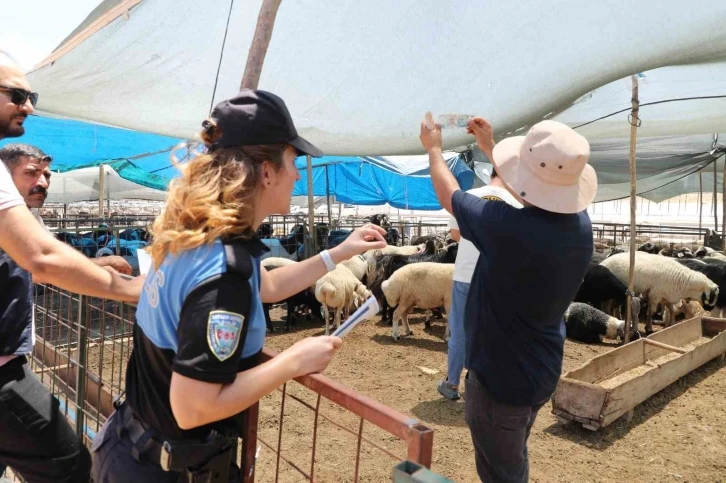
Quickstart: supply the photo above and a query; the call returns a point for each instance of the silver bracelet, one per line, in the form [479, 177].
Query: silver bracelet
[325, 255]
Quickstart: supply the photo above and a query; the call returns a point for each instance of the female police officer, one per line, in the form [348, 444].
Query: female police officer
[200, 324]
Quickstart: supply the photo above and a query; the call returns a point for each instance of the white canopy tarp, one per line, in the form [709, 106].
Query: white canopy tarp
[82, 185]
[358, 76]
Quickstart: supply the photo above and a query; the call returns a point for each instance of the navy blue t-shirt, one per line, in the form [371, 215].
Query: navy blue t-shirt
[16, 308]
[531, 265]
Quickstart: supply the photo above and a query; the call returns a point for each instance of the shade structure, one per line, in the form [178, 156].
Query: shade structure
[359, 76]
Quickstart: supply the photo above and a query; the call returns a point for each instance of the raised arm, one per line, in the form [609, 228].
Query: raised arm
[445, 183]
[52, 261]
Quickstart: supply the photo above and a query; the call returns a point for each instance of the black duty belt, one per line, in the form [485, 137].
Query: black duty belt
[146, 442]
[205, 460]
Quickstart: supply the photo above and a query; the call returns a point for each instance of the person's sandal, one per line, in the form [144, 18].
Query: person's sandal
[449, 391]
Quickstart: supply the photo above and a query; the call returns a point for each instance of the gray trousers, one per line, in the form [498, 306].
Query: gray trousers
[499, 433]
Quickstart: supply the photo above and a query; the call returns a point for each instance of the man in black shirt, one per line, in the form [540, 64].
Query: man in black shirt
[531, 264]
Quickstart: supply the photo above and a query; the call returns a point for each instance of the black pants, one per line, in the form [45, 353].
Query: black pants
[36, 440]
[499, 433]
[113, 461]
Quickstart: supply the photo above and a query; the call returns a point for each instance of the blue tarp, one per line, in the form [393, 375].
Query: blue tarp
[145, 159]
[377, 181]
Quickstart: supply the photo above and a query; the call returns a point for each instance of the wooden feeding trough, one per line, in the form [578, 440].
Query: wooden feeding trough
[611, 385]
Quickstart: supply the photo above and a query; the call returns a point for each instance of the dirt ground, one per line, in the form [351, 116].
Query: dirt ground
[678, 435]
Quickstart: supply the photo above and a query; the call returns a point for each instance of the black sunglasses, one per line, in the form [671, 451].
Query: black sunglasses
[20, 96]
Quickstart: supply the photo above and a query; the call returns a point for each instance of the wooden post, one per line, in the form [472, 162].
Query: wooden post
[723, 199]
[715, 201]
[101, 189]
[700, 202]
[634, 121]
[327, 192]
[311, 207]
[260, 42]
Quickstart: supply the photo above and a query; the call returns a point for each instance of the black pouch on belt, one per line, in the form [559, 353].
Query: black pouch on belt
[205, 461]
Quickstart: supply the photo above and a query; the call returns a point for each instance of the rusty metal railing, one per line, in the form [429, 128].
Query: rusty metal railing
[417, 438]
[83, 345]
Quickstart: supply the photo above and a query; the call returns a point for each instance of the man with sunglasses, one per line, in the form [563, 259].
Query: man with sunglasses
[36, 441]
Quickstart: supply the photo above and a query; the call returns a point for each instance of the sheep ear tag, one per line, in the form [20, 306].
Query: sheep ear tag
[223, 333]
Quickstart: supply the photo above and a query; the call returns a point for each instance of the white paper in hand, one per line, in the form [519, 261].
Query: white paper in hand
[144, 261]
[365, 311]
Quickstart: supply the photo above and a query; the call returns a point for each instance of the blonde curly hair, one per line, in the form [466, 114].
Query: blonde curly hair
[214, 197]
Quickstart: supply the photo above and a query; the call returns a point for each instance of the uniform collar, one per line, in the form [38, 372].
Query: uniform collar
[253, 245]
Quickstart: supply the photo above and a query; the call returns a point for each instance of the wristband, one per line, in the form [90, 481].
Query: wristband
[325, 255]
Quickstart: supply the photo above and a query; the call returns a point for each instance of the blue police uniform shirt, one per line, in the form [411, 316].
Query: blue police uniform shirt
[200, 315]
[531, 265]
[16, 308]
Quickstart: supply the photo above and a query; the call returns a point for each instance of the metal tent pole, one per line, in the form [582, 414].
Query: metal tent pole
[311, 207]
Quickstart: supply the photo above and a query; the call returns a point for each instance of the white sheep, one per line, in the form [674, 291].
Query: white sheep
[339, 290]
[663, 281]
[425, 285]
[393, 249]
[357, 265]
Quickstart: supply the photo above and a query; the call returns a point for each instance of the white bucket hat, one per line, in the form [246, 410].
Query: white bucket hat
[548, 167]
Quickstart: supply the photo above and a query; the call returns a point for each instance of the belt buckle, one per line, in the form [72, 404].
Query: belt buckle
[165, 457]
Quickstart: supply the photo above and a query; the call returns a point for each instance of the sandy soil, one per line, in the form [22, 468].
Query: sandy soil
[677, 435]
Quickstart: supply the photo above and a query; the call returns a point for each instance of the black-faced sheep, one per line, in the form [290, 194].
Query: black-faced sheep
[664, 281]
[587, 324]
[715, 270]
[425, 285]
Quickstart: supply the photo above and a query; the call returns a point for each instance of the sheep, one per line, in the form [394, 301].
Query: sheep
[304, 298]
[382, 266]
[339, 290]
[598, 257]
[394, 250]
[425, 285]
[600, 288]
[715, 270]
[437, 241]
[663, 280]
[703, 252]
[688, 309]
[358, 267]
[590, 325]
[682, 252]
[717, 256]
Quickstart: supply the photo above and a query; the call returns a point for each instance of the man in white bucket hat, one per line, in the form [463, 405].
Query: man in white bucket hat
[532, 261]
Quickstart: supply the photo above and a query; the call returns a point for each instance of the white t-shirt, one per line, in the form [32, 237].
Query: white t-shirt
[9, 195]
[468, 255]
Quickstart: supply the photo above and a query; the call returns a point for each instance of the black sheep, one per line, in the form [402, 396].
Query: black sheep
[600, 286]
[587, 324]
[305, 298]
[382, 267]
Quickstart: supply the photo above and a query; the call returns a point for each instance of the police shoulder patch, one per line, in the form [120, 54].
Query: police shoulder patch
[491, 198]
[224, 330]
